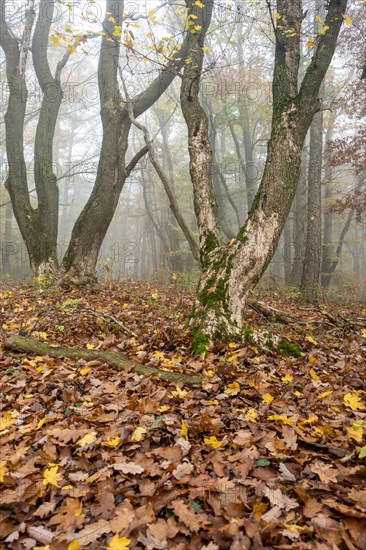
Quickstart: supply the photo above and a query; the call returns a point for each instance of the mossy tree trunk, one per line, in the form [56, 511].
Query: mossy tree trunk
[229, 272]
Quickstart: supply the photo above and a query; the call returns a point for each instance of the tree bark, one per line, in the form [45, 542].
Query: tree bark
[38, 225]
[90, 228]
[231, 271]
[115, 359]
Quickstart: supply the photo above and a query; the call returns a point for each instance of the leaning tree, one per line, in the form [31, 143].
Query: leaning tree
[230, 271]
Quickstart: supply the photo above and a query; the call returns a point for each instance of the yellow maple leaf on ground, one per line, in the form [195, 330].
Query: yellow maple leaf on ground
[267, 398]
[213, 442]
[283, 418]
[87, 439]
[138, 433]
[119, 543]
[353, 401]
[251, 415]
[6, 421]
[51, 476]
[356, 434]
[233, 388]
[74, 545]
[179, 393]
[112, 442]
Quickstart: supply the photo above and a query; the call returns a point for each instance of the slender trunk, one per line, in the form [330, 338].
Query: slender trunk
[300, 224]
[311, 272]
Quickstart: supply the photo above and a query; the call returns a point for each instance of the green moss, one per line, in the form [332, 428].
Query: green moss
[289, 349]
[247, 332]
[200, 342]
[242, 236]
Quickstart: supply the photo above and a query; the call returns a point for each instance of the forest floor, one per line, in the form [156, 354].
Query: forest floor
[267, 452]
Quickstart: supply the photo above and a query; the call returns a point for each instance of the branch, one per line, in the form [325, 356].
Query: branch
[164, 179]
[116, 360]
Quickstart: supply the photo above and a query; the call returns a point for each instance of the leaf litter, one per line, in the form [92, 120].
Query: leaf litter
[268, 452]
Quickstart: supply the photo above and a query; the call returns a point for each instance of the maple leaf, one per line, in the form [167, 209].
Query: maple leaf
[179, 393]
[74, 545]
[7, 420]
[138, 433]
[51, 476]
[119, 543]
[213, 442]
[353, 401]
[112, 442]
[87, 439]
[233, 388]
[267, 398]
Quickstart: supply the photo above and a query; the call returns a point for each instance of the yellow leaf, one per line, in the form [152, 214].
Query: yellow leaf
[324, 30]
[213, 402]
[197, 27]
[232, 389]
[89, 346]
[51, 476]
[6, 421]
[199, 4]
[85, 370]
[363, 332]
[357, 435]
[184, 431]
[55, 41]
[251, 415]
[163, 409]
[232, 345]
[119, 543]
[287, 378]
[179, 393]
[213, 442]
[41, 423]
[112, 442]
[67, 487]
[43, 335]
[87, 439]
[354, 402]
[138, 433]
[311, 340]
[112, 19]
[319, 19]
[74, 545]
[313, 375]
[3, 470]
[347, 20]
[277, 16]
[325, 394]
[267, 398]
[283, 418]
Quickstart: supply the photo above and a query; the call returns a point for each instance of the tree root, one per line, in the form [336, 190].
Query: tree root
[114, 359]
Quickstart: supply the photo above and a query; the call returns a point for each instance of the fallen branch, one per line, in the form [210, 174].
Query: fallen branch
[271, 313]
[114, 359]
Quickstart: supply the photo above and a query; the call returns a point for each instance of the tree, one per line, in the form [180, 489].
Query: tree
[39, 224]
[230, 271]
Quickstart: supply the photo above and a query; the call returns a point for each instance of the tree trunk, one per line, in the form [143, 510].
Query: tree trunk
[91, 226]
[229, 272]
[300, 224]
[311, 272]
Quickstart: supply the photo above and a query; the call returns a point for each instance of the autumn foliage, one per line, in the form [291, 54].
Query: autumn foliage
[268, 452]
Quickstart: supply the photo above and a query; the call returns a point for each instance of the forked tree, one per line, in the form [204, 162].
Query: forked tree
[230, 271]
